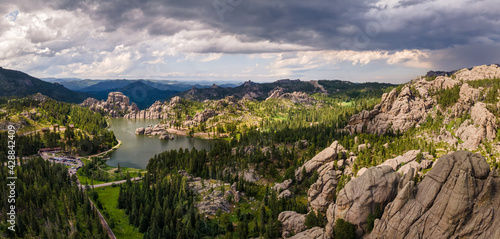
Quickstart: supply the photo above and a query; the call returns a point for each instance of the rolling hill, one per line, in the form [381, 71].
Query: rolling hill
[18, 84]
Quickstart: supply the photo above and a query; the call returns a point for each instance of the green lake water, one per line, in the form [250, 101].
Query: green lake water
[136, 150]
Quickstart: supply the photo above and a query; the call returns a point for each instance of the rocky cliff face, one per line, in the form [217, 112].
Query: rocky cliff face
[116, 105]
[359, 198]
[457, 199]
[294, 97]
[418, 99]
[292, 222]
[325, 156]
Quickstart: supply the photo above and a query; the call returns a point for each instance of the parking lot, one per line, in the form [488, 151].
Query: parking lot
[72, 162]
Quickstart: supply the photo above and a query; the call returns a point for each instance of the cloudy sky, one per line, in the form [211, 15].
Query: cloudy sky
[259, 40]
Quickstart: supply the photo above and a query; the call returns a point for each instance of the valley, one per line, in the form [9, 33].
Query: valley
[232, 119]
[291, 159]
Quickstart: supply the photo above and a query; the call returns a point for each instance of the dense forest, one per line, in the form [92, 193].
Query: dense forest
[49, 204]
[89, 135]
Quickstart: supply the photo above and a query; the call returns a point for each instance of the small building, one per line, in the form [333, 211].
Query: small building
[71, 126]
[45, 130]
[49, 150]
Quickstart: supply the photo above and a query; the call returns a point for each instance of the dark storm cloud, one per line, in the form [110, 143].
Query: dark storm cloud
[320, 24]
[466, 56]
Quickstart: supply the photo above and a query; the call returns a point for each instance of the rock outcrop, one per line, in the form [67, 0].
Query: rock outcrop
[418, 100]
[397, 111]
[375, 188]
[250, 175]
[327, 155]
[283, 189]
[482, 126]
[458, 198]
[156, 111]
[204, 115]
[479, 73]
[322, 192]
[295, 97]
[279, 187]
[116, 105]
[233, 192]
[395, 163]
[313, 233]
[212, 192]
[154, 130]
[292, 223]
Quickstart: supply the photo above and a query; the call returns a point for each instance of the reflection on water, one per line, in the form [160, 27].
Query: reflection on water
[136, 150]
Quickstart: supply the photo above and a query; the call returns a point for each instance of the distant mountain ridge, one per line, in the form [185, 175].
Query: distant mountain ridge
[261, 91]
[86, 85]
[19, 84]
[140, 93]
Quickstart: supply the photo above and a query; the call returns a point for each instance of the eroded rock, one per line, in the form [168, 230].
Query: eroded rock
[317, 161]
[456, 199]
[360, 196]
[292, 222]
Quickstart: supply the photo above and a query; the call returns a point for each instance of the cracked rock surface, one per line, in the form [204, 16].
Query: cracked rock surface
[459, 198]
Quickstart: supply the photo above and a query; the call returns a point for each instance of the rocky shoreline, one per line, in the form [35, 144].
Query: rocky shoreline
[153, 131]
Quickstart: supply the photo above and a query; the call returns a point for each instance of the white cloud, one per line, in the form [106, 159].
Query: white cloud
[286, 64]
[212, 57]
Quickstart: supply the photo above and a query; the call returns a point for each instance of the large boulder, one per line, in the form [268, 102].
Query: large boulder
[140, 131]
[292, 222]
[283, 186]
[322, 192]
[458, 198]
[482, 126]
[327, 155]
[313, 233]
[407, 157]
[375, 188]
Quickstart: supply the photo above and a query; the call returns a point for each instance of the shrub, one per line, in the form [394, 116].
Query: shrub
[448, 97]
[344, 229]
[311, 220]
[372, 217]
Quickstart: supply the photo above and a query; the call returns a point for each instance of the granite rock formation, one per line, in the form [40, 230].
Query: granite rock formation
[417, 100]
[294, 97]
[375, 188]
[327, 155]
[458, 198]
[292, 222]
[116, 105]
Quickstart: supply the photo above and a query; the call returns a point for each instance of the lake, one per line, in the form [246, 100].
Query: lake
[136, 150]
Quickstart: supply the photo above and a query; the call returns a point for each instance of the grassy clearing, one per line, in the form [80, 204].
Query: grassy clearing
[109, 200]
[84, 180]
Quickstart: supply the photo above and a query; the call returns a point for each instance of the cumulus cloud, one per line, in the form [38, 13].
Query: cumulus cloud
[288, 64]
[126, 38]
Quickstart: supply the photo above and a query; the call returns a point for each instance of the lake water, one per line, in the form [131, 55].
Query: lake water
[136, 150]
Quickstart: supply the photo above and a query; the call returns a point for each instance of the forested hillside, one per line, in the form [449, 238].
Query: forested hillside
[49, 204]
[18, 84]
[87, 135]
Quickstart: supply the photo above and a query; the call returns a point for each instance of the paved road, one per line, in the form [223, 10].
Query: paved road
[103, 153]
[111, 183]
